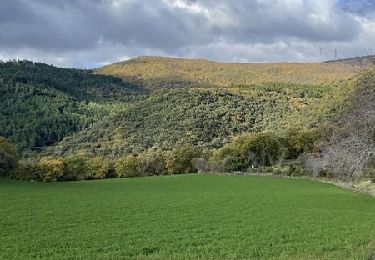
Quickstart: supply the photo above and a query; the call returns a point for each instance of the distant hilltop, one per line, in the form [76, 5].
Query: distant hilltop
[360, 61]
[161, 72]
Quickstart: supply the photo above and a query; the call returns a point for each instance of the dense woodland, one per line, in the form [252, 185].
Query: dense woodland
[41, 104]
[69, 124]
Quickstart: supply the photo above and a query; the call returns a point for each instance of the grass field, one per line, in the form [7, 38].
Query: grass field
[189, 216]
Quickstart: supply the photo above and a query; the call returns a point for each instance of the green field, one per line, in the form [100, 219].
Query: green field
[188, 216]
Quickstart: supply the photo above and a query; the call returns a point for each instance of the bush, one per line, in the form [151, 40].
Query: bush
[45, 169]
[179, 160]
[284, 170]
[201, 164]
[8, 158]
[128, 166]
[75, 168]
[27, 171]
[297, 142]
[209, 165]
[49, 170]
[325, 173]
[153, 163]
[65, 169]
[371, 174]
[251, 151]
[98, 168]
[370, 168]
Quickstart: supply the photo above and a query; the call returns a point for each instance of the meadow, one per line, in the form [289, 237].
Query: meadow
[185, 216]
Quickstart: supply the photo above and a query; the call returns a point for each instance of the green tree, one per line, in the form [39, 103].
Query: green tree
[298, 141]
[128, 166]
[153, 163]
[51, 170]
[179, 160]
[8, 158]
[75, 168]
[251, 150]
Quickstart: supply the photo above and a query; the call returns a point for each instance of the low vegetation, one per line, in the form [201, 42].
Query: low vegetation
[188, 216]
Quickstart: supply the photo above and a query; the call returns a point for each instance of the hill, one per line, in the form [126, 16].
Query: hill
[41, 104]
[171, 102]
[206, 103]
[156, 72]
[207, 118]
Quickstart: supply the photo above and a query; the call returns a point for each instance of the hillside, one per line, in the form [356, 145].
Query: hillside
[203, 103]
[206, 118]
[155, 72]
[41, 104]
[66, 111]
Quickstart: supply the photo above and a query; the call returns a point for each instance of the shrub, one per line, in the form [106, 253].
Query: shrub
[128, 166]
[284, 170]
[75, 168]
[228, 158]
[49, 170]
[179, 160]
[26, 171]
[98, 168]
[8, 158]
[371, 174]
[297, 141]
[153, 163]
[370, 168]
[251, 151]
[201, 164]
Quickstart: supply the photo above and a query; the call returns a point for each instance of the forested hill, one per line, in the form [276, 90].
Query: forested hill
[207, 103]
[41, 104]
[77, 83]
[66, 111]
[157, 72]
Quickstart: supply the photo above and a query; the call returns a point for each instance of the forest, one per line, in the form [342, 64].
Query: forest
[73, 124]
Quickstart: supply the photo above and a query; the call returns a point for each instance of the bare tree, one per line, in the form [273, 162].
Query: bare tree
[352, 145]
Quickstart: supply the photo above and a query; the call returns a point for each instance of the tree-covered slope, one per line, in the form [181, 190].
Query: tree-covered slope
[76, 111]
[208, 118]
[41, 104]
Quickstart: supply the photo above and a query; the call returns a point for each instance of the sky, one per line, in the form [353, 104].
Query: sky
[92, 33]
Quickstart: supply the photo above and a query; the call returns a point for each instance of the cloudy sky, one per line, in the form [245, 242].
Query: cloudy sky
[90, 33]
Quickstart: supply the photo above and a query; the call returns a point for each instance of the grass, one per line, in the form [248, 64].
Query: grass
[189, 216]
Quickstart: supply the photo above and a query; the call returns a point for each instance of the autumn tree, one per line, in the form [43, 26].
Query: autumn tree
[179, 160]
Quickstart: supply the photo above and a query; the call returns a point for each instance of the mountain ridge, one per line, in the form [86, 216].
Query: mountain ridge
[160, 72]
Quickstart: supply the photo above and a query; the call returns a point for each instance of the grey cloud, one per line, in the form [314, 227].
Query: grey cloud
[106, 30]
[362, 7]
[265, 21]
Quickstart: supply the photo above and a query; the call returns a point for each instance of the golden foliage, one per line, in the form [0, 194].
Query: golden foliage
[158, 72]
